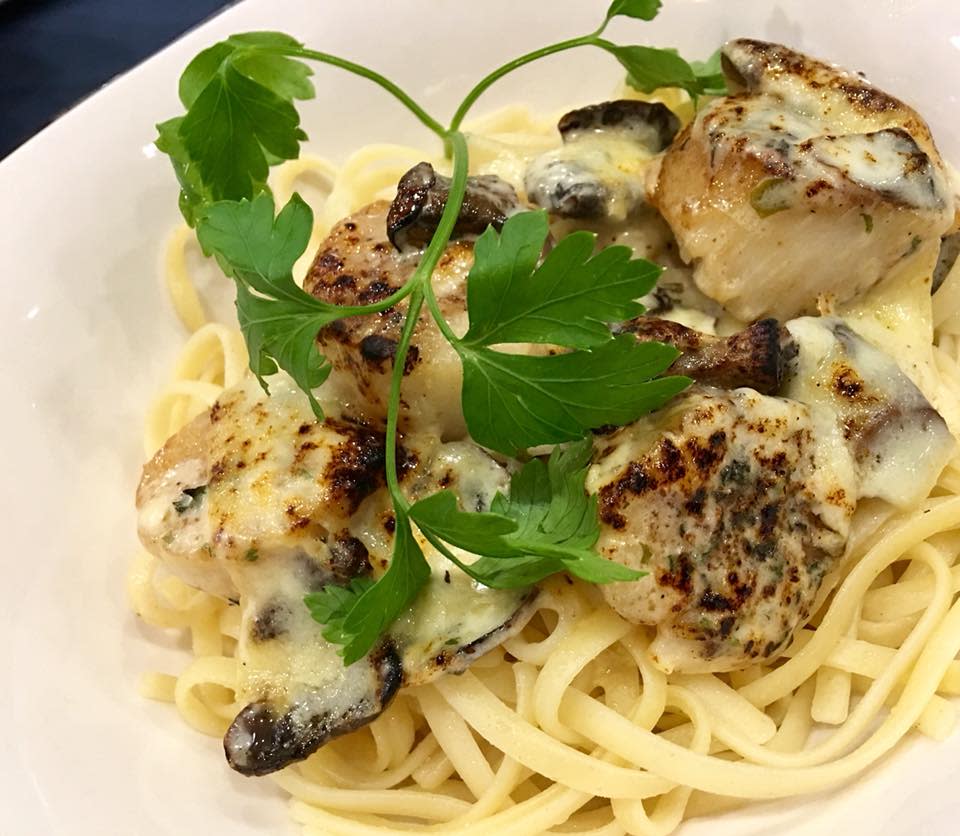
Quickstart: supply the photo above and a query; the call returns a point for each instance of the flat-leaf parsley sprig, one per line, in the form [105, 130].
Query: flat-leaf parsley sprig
[515, 401]
[240, 120]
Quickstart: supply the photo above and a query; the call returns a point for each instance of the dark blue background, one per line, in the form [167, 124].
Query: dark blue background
[55, 52]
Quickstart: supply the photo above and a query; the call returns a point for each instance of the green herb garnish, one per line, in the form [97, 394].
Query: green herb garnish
[710, 77]
[190, 498]
[640, 9]
[279, 320]
[240, 119]
[771, 196]
[514, 401]
[547, 524]
[331, 605]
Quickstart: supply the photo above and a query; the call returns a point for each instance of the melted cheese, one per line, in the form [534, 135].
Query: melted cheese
[454, 618]
[609, 168]
[899, 442]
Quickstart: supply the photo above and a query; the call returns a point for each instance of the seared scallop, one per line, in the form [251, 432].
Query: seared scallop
[373, 253]
[802, 152]
[358, 265]
[737, 504]
[258, 502]
[726, 499]
[255, 474]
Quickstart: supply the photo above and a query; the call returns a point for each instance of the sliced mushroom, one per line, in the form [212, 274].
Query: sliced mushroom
[949, 251]
[598, 173]
[652, 124]
[752, 357]
[422, 195]
[299, 693]
[808, 182]
[256, 501]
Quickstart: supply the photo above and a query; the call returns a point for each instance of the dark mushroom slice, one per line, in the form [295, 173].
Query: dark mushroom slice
[422, 195]
[300, 693]
[652, 124]
[949, 251]
[753, 357]
[288, 725]
[598, 172]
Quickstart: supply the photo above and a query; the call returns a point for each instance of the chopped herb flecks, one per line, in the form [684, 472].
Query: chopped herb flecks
[190, 498]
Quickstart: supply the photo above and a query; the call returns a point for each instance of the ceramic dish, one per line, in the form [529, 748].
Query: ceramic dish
[87, 335]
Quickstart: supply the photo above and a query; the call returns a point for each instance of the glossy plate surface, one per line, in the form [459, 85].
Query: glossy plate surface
[87, 335]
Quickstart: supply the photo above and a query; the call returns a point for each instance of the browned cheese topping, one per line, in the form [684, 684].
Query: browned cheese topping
[724, 499]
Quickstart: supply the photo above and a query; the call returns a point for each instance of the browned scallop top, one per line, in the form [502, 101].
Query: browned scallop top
[357, 265]
[262, 469]
[717, 499]
[747, 62]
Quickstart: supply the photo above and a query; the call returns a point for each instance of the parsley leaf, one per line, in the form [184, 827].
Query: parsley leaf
[640, 9]
[380, 604]
[710, 75]
[477, 532]
[230, 128]
[240, 118]
[194, 195]
[249, 53]
[649, 68]
[329, 606]
[279, 320]
[524, 571]
[549, 500]
[548, 524]
[517, 572]
[567, 301]
[515, 401]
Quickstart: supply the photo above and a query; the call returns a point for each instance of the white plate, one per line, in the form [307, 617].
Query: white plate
[87, 335]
